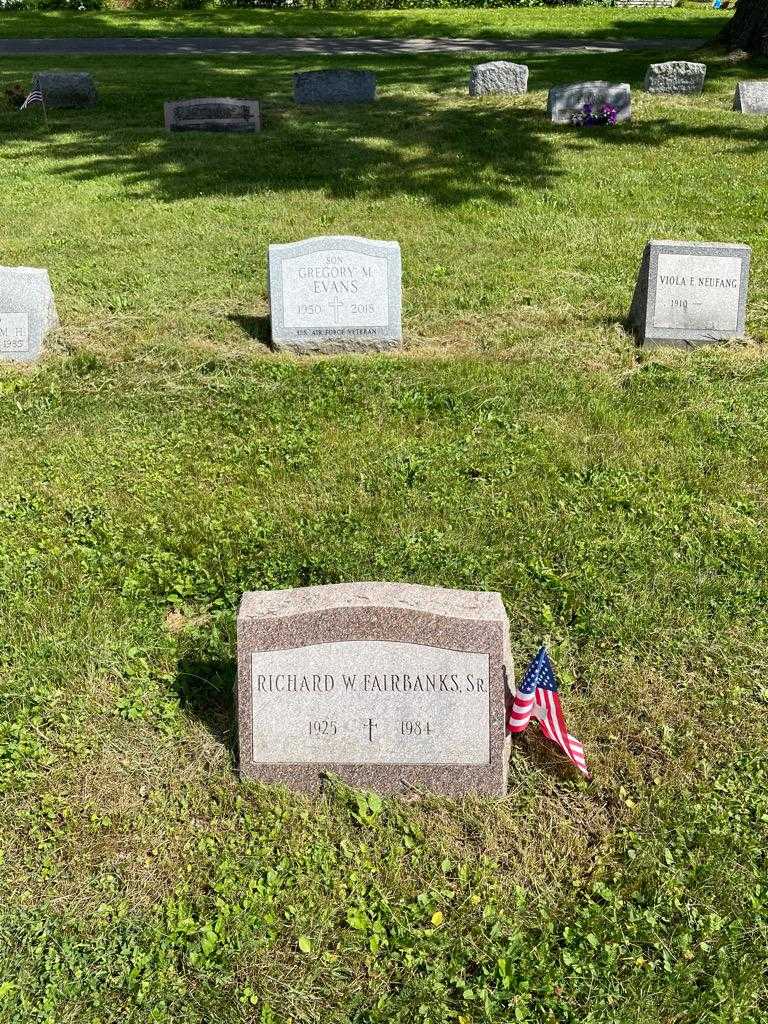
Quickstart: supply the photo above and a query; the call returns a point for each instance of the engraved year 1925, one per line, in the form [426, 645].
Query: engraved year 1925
[322, 727]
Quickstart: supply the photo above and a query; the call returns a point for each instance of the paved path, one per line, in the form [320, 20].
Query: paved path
[164, 46]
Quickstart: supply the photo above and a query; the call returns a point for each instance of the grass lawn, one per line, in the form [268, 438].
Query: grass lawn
[160, 461]
[693, 20]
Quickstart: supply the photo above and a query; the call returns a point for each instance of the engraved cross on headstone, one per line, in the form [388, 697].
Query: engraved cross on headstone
[370, 725]
[336, 306]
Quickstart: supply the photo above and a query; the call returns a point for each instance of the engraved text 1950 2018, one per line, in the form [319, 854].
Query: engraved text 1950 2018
[338, 288]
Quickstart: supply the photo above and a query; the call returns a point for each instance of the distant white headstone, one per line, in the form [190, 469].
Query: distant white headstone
[691, 293]
[336, 293]
[27, 312]
[751, 98]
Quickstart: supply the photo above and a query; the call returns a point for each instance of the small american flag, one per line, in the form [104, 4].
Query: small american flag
[536, 697]
[35, 96]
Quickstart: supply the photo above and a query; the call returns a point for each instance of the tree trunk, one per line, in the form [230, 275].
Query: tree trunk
[748, 29]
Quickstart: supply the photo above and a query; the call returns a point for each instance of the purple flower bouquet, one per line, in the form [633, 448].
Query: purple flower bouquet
[591, 117]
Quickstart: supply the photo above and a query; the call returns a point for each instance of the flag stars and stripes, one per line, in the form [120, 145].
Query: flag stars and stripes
[537, 697]
[36, 96]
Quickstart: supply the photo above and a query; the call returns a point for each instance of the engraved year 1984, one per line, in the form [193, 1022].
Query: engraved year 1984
[415, 728]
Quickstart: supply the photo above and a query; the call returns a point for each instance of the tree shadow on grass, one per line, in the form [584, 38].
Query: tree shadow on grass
[409, 147]
[751, 137]
[423, 138]
[441, 156]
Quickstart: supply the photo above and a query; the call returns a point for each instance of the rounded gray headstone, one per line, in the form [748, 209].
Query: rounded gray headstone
[676, 78]
[342, 86]
[66, 88]
[498, 77]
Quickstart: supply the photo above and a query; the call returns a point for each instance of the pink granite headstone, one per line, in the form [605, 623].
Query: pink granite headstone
[391, 686]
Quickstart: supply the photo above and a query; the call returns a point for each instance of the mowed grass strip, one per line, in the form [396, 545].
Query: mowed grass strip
[688, 21]
[161, 460]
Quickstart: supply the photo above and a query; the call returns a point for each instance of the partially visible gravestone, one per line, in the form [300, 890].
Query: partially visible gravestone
[751, 98]
[676, 78]
[212, 114]
[498, 76]
[388, 685]
[691, 293]
[336, 293]
[27, 312]
[66, 88]
[566, 100]
[340, 86]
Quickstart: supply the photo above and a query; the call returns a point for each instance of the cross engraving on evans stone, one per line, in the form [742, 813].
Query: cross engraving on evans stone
[336, 306]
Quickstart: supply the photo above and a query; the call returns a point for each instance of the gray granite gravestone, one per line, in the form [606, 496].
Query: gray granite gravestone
[566, 100]
[66, 88]
[751, 98]
[212, 114]
[498, 76]
[340, 86]
[691, 293]
[336, 293]
[676, 78]
[388, 685]
[27, 313]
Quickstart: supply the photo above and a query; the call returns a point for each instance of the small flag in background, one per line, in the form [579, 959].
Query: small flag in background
[536, 697]
[35, 96]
